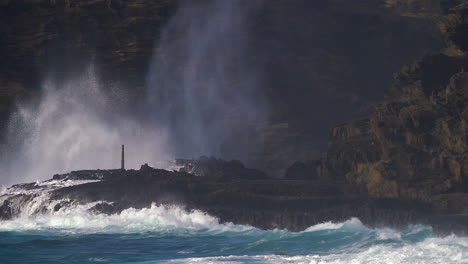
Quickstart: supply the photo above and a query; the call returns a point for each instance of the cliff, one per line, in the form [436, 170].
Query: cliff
[414, 146]
[312, 57]
[404, 164]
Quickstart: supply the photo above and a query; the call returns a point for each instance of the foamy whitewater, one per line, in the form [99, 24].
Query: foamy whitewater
[201, 97]
[169, 234]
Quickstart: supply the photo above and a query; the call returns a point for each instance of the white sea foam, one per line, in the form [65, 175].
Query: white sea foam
[3, 189]
[353, 223]
[36, 211]
[39, 214]
[388, 234]
[417, 229]
[162, 219]
[448, 250]
[28, 200]
[388, 246]
[77, 219]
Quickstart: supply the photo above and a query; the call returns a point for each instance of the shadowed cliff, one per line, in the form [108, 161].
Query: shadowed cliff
[414, 145]
[406, 163]
[320, 62]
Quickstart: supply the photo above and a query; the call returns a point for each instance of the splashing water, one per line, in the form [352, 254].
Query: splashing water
[162, 234]
[77, 219]
[201, 86]
[201, 98]
[206, 89]
[170, 234]
[75, 126]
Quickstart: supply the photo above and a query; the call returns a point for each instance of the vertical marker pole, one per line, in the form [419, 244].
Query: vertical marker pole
[123, 158]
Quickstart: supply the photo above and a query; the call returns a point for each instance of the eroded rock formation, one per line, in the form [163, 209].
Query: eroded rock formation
[405, 164]
[313, 57]
[415, 144]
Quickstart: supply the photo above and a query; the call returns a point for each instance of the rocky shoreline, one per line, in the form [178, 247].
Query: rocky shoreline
[235, 194]
[405, 164]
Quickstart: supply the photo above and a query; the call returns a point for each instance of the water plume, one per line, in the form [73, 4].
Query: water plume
[76, 125]
[201, 98]
[201, 85]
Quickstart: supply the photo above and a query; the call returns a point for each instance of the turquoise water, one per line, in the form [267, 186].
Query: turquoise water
[170, 235]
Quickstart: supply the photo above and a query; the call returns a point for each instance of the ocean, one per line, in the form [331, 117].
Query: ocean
[169, 234]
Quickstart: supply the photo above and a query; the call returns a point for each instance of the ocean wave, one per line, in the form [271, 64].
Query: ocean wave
[78, 219]
[446, 250]
[199, 233]
[353, 223]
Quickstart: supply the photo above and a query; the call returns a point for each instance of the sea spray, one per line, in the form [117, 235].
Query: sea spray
[201, 85]
[170, 234]
[78, 219]
[76, 125]
[201, 97]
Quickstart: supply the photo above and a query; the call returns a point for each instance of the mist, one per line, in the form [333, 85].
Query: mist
[200, 85]
[201, 98]
[75, 126]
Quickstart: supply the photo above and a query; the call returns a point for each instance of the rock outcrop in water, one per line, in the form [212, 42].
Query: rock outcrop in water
[405, 164]
[249, 198]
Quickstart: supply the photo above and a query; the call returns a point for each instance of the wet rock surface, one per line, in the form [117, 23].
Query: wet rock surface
[404, 164]
[267, 203]
[220, 169]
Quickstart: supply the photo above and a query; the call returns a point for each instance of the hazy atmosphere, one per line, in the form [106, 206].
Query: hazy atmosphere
[231, 79]
[200, 97]
[233, 131]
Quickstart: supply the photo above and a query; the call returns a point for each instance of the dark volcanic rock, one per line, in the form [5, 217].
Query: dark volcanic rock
[6, 211]
[405, 164]
[220, 169]
[302, 171]
[455, 28]
[86, 175]
[312, 57]
[271, 203]
[266, 203]
[414, 146]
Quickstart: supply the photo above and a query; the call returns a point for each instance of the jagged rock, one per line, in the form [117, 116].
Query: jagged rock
[302, 171]
[104, 208]
[455, 28]
[412, 143]
[270, 203]
[85, 175]
[414, 146]
[60, 37]
[6, 211]
[405, 164]
[220, 169]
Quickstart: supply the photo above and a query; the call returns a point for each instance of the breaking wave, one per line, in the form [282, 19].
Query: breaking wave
[77, 219]
[182, 236]
[170, 234]
[434, 250]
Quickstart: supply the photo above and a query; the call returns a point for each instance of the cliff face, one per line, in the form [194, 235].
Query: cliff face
[404, 164]
[414, 145]
[313, 57]
[61, 37]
